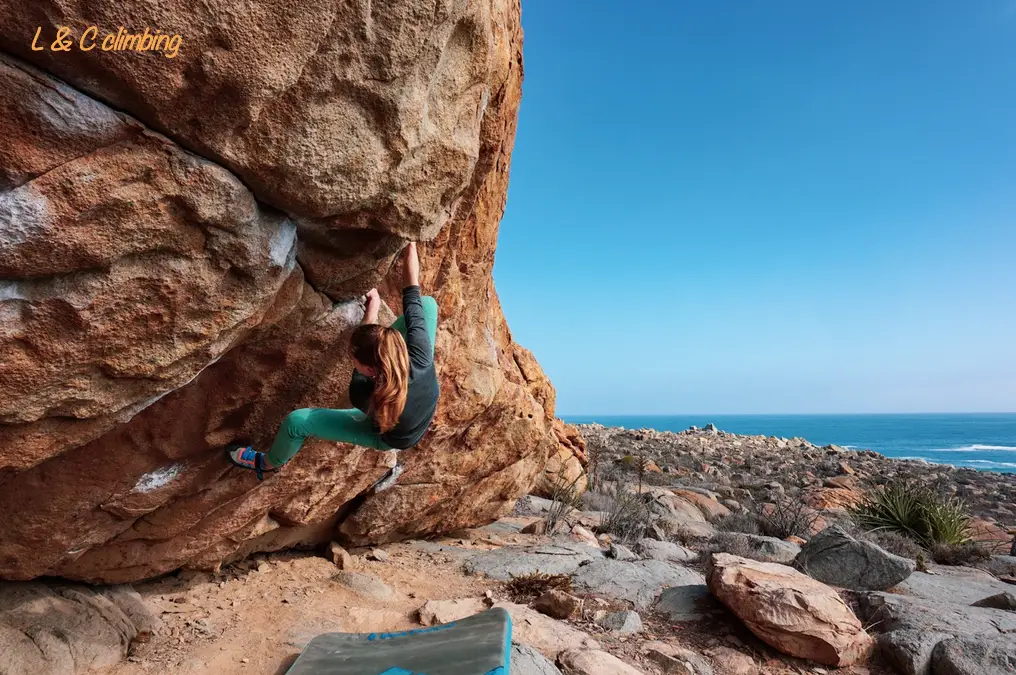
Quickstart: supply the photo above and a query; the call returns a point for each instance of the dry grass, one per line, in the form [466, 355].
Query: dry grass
[523, 589]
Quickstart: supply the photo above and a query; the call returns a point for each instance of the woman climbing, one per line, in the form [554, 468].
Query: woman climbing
[394, 386]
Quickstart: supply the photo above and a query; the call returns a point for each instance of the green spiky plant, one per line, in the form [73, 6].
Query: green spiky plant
[916, 511]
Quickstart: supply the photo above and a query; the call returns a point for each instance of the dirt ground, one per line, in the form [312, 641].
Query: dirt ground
[257, 616]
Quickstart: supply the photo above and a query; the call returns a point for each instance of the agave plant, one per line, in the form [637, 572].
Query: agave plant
[914, 510]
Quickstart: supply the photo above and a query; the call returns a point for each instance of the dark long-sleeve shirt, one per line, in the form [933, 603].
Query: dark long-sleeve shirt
[422, 396]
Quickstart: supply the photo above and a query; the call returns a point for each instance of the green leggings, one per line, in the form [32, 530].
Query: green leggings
[342, 426]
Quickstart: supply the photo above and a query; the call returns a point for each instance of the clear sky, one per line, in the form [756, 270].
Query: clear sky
[766, 206]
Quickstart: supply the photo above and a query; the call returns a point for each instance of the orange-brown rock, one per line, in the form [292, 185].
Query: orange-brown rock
[709, 507]
[566, 467]
[832, 498]
[163, 295]
[790, 611]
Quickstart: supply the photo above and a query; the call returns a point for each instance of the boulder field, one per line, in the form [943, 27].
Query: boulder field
[183, 245]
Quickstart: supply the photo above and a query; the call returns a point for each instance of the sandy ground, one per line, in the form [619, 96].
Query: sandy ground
[257, 616]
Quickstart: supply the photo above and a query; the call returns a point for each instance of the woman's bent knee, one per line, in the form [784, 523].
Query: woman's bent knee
[296, 422]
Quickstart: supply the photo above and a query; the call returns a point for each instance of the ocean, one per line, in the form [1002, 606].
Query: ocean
[977, 441]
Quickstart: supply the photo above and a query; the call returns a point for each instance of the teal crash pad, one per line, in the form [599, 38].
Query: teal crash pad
[477, 645]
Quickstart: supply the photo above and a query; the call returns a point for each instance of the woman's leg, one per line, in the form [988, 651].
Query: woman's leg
[429, 319]
[343, 426]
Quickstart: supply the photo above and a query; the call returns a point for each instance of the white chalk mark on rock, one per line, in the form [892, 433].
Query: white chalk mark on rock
[158, 478]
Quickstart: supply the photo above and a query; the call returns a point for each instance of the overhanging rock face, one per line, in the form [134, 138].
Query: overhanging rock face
[182, 241]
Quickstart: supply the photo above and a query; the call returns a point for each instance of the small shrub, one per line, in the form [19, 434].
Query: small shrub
[565, 498]
[627, 517]
[522, 589]
[914, 510]
[739, 522]
[728, 542]
[599, 499]
[969, 553]
[895, 542]
[786, 518]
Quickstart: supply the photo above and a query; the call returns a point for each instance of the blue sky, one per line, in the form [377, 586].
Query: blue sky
[766, 207]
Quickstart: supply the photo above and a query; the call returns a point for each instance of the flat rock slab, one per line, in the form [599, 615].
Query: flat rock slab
[592, 662]
[665, 550]
[366, 585]
[958, 585]
[888, 612]
[914, 627]
[974, 656]
[687, 603]
[637, 582]
[546, 635]
[505, 563]
[529, 661]
[445, 611]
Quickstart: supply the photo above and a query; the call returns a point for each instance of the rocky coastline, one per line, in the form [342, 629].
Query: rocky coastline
[828, 478]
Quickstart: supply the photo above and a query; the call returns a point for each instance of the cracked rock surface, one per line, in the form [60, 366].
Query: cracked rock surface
[182, 245]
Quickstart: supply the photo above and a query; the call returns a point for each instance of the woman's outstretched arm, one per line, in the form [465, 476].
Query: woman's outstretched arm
[373, 307]
[411, 265]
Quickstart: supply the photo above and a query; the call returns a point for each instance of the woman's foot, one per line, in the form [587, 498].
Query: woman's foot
[247, 457]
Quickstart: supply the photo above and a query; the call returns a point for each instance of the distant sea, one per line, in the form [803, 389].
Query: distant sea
[977, 441]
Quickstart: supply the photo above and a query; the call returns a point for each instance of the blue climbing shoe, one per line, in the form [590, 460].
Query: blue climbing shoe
[247, 457]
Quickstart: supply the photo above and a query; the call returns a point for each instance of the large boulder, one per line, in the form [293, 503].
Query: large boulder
[639, 583]
[912, 627]
[790, 611]
[967, 656]
[67, 629]
[185, 240]
[834, 557]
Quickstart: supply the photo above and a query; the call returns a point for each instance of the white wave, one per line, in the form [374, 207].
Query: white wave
[988, 462]
[976, 448]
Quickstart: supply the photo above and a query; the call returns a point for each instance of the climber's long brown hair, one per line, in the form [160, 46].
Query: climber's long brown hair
[384, 350]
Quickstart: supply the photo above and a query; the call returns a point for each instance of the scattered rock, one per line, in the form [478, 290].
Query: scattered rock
[834, 557]
[366, 585]
[619, 552]
[975, 656]
[685, 603]
[531, 505]
[665, 550]
[733, 662]
[340, 556]
[539, 527]
[676, 660]
[790, 611]
[626, 622]
[528, 661]
[593, 662]
[505, 563]
[957, 585]
[1004, 600]
[548, 636]
[707, 504]
[582, 535]
[637, 582]
[766, 549]
[436, 612]
[557, 604]
[909, 651]
[378, 555]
